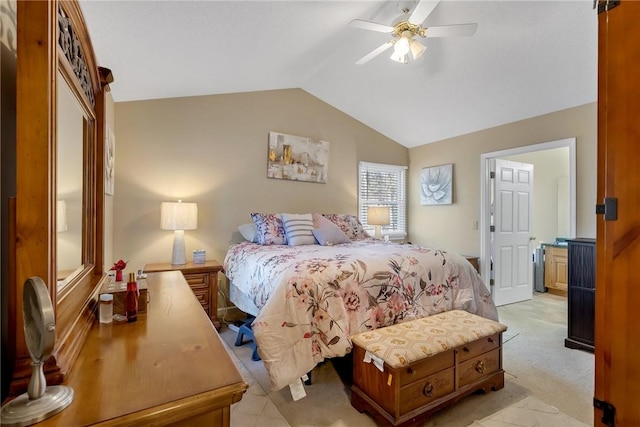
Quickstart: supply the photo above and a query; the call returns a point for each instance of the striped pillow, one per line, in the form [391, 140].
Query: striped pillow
[299, 229]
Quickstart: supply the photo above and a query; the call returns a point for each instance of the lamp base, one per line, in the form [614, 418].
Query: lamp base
[179, 255]
[378, 232]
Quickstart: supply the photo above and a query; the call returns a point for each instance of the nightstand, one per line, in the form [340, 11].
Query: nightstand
[474, 260]
[203, 280]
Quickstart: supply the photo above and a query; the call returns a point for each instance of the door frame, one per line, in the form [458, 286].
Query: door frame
[485, 194]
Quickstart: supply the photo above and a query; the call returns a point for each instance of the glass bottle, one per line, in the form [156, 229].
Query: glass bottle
[131, 302]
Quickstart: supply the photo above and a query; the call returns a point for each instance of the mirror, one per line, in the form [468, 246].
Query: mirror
[69, 184]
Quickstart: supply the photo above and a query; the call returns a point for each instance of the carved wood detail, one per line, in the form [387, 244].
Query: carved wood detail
[72, 49]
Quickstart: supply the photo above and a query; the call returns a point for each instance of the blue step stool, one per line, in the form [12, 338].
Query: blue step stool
[245, 329]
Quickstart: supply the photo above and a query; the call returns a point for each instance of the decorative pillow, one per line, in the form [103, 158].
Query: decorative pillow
[298, 228]
[328, 236]
[350, 225]
[269, 229]
[249, 232]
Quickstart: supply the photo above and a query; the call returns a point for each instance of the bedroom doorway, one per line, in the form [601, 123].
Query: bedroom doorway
[490, 264]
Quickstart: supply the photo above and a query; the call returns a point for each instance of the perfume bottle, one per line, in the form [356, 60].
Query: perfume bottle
[131, 302]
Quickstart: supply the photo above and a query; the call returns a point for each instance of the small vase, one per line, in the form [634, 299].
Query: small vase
[118, 275]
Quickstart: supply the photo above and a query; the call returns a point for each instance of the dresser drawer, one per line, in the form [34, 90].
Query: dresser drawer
[426, 390]
[425, 367]
[475, 348]
[478, 367]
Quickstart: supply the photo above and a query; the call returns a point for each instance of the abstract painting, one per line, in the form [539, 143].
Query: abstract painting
[297, 158]
[436, 185]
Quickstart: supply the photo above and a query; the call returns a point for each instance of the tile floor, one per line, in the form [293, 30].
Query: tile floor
[529, 412]
[255, 409]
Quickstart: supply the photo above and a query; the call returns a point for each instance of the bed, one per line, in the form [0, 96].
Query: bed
[309, 300]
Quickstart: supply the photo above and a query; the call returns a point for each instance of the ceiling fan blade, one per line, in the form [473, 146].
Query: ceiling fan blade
[366, 25]
[368, 57]
[451, 30]
[422, 10]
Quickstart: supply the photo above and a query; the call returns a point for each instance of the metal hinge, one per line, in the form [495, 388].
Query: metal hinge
[609, 209]
[492, 228]
[605, 5]
[492, 174]
[608, 412]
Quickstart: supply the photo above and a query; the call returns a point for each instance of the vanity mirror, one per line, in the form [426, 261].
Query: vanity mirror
[70, 135]
[59, 188]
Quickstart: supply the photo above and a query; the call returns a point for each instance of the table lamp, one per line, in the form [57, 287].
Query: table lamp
[378, 216]
[178, 216]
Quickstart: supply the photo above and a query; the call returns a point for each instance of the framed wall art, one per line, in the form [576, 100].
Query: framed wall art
[297, 158]
[109, 161]
[436, 185]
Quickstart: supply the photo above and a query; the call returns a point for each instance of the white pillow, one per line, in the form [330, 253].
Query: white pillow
[299, 229]
[249, 232]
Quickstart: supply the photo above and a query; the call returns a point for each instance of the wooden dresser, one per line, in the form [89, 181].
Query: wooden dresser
[203, 280]
[168, 368]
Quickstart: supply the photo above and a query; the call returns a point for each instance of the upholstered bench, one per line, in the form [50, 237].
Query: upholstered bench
[405, 372]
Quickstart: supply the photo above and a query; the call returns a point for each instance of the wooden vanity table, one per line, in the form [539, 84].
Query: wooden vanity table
[168, 368]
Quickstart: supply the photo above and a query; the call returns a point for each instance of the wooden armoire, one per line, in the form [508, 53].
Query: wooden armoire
[617, 344]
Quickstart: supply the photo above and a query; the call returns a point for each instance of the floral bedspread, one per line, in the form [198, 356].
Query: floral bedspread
[313, 298]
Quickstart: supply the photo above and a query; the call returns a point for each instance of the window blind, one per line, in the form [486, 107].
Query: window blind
[383, 185]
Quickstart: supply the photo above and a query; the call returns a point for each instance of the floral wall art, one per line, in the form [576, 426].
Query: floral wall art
[436, 185]
[297, 158]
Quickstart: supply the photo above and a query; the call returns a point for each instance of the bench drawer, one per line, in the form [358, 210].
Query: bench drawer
[478, 367]
[480, 346]
[423, 392]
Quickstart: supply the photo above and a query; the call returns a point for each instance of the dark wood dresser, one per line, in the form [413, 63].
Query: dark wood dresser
[581, 294]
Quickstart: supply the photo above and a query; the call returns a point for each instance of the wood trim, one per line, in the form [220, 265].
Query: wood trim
[38, 64]
[35, 168]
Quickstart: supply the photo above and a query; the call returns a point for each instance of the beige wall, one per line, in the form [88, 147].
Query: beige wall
[450, 226]
[212, 150]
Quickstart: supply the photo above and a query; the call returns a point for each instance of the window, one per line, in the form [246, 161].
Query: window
[383, 185]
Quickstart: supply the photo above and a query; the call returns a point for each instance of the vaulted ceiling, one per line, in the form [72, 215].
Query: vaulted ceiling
[527, 58]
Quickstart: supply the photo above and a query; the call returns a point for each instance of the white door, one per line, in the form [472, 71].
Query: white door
[512, 263]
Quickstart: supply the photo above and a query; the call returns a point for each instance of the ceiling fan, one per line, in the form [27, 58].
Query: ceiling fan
[405, 31]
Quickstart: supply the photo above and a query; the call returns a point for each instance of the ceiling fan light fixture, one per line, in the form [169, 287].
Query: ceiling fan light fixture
[417, 49]
[401, 47]
[399, 57]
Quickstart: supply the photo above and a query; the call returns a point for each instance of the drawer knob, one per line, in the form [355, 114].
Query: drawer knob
[480, 367]
[491, 340]
[410, 371]
[428, 390]
[465, 349]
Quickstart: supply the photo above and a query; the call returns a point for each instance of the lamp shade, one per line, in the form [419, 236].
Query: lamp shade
[61, 216]
[178, 216]
[378, 215]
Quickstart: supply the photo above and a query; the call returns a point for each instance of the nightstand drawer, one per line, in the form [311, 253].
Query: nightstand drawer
[203, 281]
[197, 280]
